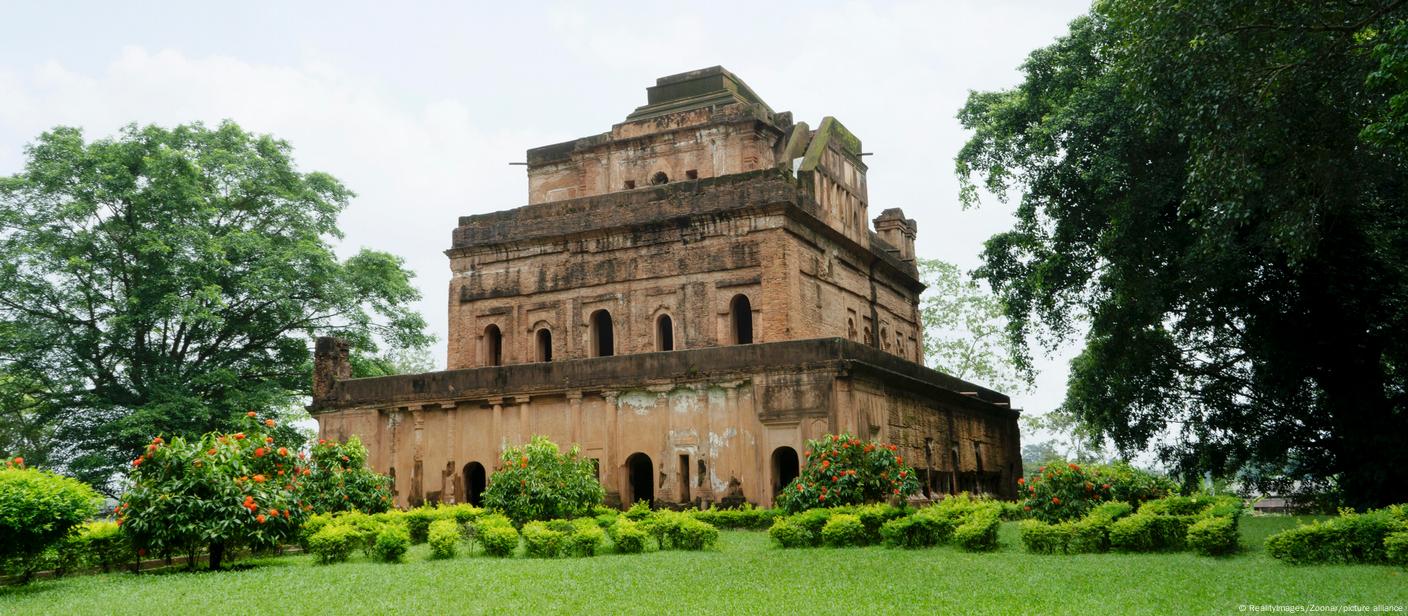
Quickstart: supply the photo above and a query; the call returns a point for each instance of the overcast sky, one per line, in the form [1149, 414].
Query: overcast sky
[418, 107]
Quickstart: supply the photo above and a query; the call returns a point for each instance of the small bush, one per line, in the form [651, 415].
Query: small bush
[813, 520]
[604, 521]
[746, 517]
[1059, 492]
[499, 540]
[1145, 532]
[917, 531]
[536, 482]
[542, 542]
[691, 534]
[1090, 535]
[638, 511]
[875, 516]
[1041, 538]
[628, 536]
[660, 525]
[843, 530]
[38, 509]
[586, 538]
[979, 532]
[391, 544]
[1350, 538]
[107, 548]
[418, 523]
[1396, 548]
[1213, 536]
[310, 527]
[444, 538]
[788, 534]
[840, 469]
[333, 543]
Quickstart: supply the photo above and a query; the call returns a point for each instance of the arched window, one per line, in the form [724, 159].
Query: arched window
[603, 338]
[867, 336]
[659, 178]
[884, 339]
[850, 329]
[544, 344]
[741, 319]
[493, 346]
[664, 333]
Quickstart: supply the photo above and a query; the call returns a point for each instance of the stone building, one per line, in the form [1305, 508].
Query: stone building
[690, 297]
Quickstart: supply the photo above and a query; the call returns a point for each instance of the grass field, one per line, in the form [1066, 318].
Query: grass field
[744, 575]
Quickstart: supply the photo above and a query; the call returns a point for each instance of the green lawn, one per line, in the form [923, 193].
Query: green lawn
[745, 575]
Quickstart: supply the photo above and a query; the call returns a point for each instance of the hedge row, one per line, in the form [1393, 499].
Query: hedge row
[1207, 525]
[1372, 537]
[968, 522]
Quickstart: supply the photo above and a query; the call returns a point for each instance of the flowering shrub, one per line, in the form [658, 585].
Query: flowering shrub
[37, 510]
[1059, 492]
[444, 538]
[339, 480]
[221, 491]
[844, 470]
[535, 482]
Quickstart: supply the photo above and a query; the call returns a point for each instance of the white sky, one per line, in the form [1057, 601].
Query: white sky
[418, 107]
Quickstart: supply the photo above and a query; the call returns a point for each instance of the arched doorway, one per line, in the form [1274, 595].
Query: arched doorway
[603, 343]
[493, 346]
[641, 474]
[741, 319]
[544, 344]
[785, 468]
[474, 483]
[664, 333]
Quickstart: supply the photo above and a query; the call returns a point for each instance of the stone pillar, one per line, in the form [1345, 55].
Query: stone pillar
[613, 440]
[330, 365]
[524, 433]
[498, 423]
[574, 415]
[735, 455]
[898, 232]
[417, 492]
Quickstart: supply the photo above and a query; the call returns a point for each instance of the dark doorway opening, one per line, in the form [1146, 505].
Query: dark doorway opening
[493, 346]
[684, 479]
[664, 333]
[544, 345]
[785, 467]
[603, 338]
[474, 483]
[741, 313]
[641, 473]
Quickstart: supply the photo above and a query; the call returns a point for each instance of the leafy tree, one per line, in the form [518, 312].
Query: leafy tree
[965, 331]
[1214, 193]
[167, 280]
[220, 491]
[536, 482]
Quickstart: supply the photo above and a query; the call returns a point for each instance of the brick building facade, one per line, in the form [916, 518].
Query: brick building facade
[689, 297]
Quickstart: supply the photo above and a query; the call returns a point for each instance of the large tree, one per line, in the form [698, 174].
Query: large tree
[166, 281]
[1213, 194]
[965, 331]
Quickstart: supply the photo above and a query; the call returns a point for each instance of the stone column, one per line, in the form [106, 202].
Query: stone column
[498, 423]
[735, 455]
[574, 415]
[417, 492]
[524, 433]
[613, 440]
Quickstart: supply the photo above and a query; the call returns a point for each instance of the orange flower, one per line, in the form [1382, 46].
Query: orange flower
[903, 473]
[1106, 486]
[211, 452]
[821, 497]
[268, 439]
[259, 518]
[1027, 508]
[136, 463]
[283, 451]
[899, 459]
[1021, 480]
[1055, 500]
[826, 464]
[249, 414]
[19, 461]
[281, 473]
[897, 491]
[151, 448]
[259, 452]
[258, 479]
[270, 422]
[273, 512]
[322, 441]
[1074, 467]
[239, 436]
[156, 440]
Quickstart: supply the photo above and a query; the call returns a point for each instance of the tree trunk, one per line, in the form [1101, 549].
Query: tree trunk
[217, 554]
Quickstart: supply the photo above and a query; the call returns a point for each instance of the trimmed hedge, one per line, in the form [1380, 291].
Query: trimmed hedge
[499, 540]
[541, 541]
[1213, 536]
[979, 532]
[1350, 538]
[1396, 548]
[333, 543]
[844, 530]
[917, 531]
[444, 538]
[628, 536]
[391, 544]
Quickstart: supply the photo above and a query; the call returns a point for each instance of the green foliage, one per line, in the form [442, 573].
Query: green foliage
[106, 546]
[875, 516]
[498, 539]
[1349, 538]
[586, 538]
[391, 544]
[444, 538]
[1066, 491]
[638, 511]
[164, 281]
[844, 470]
[221, 490]
[535, 482]
[1396, 548]
[339, 480]
[1148, 532]
[692, 534]
[418, 522]
[917, 531]
[1088, 535]
[979, 532]
[788, 534]
[540, 541]
[628, 536]
[844, 530]
[1213, 536]
[38, 509]
[746, 517]
[965, 332]
[1210, 200]
[334, 543]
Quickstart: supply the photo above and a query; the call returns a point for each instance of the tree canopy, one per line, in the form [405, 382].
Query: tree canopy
[166, 281]
[965, 331]
[1213, 194]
